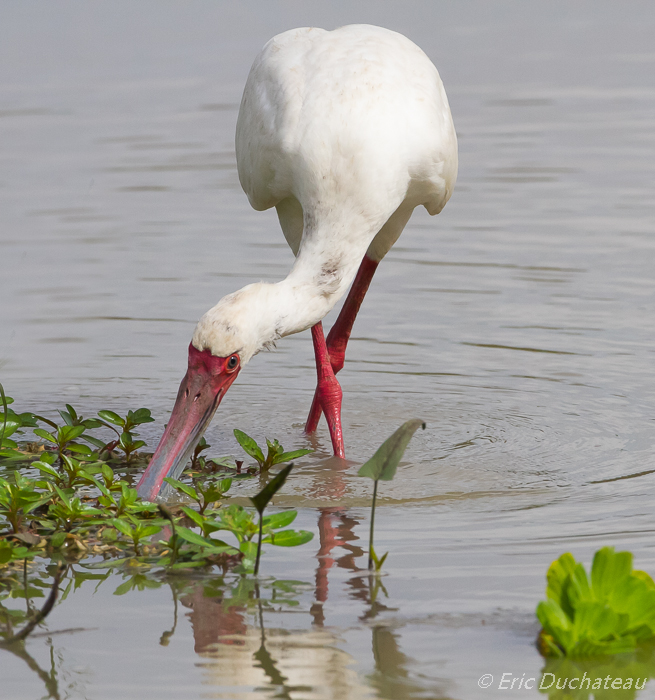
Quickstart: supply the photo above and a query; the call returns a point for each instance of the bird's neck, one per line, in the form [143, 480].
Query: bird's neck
[254, 317]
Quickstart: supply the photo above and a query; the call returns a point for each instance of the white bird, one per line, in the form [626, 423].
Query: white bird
[344, 132]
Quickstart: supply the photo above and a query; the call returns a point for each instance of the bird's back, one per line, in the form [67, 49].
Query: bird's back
[351, 123]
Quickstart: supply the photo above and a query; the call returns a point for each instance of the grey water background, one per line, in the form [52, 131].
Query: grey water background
[518, 324]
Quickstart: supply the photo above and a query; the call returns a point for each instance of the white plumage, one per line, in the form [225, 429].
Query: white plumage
[344, 132]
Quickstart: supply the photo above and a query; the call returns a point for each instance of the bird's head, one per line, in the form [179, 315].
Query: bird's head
[205, 383]
[225, 338]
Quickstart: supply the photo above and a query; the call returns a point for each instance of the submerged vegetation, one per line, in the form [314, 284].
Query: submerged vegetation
[610, 612]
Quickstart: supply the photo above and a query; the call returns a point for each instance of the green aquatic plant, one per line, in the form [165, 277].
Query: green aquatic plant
[125, 442]
[72, 472]
[78, 506]
[68, 511]
[204, 493]
[382, 467]
[611, 612]
[241, 523]
[71, 418]
[10, 424]
[135, 530]
[262, 499]
[197, 451]
[19, 499]
[275, 454]
[11, 550]
[63, 437]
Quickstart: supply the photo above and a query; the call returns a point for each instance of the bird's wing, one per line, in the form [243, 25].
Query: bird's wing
[354, 120]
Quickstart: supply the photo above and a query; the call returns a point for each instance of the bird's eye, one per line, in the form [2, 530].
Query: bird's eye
[232, 363]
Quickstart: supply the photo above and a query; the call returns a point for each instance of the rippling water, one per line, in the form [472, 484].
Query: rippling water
[518, 324]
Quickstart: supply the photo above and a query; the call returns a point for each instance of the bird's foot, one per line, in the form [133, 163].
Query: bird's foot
[328, 399]
[336, 355]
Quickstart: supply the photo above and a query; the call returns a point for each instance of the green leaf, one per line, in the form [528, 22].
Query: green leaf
[123, 526]
[45, 435]
[27, 420]
[290, 456]
[149, 531]
[193, 515]
[124, 588]
[382, 465]
[6, 551]
[555, 621]
[140, 416]
[92, 423]
[70, 432]
[558, 577]
[277, 520]
[184, 488]
[248, 549]
[46, 469]
[47, 421]
[80, 449]
[380, 562]
[35, 504]
[112, 417]
[63, 496]
[10, 427]
[192, 537]
[72, 412]
[289, 538]
[578, 589]
[218, 549]
[107, 473]
[261, 500]
[249, 446]
[68, 419]
[109, 535]
[608, 570]
[646, 578]
[98, 444]
[608, 614]
[58, 539]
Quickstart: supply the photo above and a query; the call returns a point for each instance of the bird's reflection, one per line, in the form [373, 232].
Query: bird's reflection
[212, 620]
[230, 633]
[336, 530]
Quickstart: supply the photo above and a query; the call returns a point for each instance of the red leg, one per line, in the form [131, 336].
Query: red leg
[328, 390]
[337, 339]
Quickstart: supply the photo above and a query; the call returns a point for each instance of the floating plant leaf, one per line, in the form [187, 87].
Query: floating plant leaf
[609, 613]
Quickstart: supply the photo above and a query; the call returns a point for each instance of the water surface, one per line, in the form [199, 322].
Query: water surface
[518, 324]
